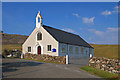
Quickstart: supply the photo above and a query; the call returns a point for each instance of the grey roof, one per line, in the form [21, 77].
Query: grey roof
[66, 37]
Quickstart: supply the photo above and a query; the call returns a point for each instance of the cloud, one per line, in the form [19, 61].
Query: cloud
[109, 36]
[111, 29]
[115, 10]
[76, 14]
[88, 20]
[106, 13]
[100, 33]
[116, 7]
[69, 30]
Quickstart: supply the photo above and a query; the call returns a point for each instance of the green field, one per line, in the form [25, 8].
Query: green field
[11, 47]
[108, 51]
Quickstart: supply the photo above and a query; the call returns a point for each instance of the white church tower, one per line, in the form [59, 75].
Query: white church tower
[38, 20]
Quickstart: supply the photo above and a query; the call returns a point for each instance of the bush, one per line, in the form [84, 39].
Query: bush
[16, 54]
[5, 53]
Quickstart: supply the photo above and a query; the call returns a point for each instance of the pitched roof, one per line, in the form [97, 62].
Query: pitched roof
[66, 37]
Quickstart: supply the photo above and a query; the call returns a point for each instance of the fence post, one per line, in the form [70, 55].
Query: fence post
[22, 56]
[66, 59]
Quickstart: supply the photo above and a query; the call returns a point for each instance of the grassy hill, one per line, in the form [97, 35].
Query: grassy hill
[13, 38]
[108, 51]
[13, 41]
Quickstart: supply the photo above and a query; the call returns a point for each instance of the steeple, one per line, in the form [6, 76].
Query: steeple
[39, 20]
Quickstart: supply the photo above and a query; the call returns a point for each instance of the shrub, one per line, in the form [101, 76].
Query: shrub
[5, 53]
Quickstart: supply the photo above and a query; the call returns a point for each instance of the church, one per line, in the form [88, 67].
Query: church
[50, 41]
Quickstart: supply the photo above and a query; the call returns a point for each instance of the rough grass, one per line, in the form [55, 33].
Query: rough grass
[100, 73]
[108, 51]
[12, 46]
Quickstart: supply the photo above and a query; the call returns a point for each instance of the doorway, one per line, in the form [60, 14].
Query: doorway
[39, 50]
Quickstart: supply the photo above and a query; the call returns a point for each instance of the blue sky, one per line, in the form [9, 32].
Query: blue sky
[95, 22]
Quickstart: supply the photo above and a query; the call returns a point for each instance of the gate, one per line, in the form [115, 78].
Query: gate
[78, 60]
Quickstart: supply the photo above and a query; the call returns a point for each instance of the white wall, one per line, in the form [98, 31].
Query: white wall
[47, 39]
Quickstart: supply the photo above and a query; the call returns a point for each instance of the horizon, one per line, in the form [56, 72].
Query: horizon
[100, 26]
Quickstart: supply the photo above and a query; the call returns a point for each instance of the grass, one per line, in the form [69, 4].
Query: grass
[108, 51]
[100, 73]
[12, 46]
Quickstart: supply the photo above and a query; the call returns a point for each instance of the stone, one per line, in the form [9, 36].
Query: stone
[105, 64]
[111, 68]
[59, 59]
[102, 69]
[98, 61]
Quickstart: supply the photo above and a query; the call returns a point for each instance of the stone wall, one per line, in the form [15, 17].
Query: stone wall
[57, 59]
[105, 64]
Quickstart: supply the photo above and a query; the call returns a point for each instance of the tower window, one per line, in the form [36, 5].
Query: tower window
[38, 19]
[39, 36]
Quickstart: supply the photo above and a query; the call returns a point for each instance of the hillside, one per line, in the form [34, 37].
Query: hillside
[13, 38]
[108, 51]
[13, 41]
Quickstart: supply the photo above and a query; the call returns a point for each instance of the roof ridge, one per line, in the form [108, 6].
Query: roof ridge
[61, 30]
[66, 37]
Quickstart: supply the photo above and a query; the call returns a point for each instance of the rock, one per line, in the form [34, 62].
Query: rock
[105, 64]
[102, 69]
[98, 61]
[92, 62]
[59, 59]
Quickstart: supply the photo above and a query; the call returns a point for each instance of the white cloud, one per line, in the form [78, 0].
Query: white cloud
[100, 33]
[116, 9]
[109, 29]
[109, 36]
[88, 20]
[69, 30]
[76, 14]
[106, 12]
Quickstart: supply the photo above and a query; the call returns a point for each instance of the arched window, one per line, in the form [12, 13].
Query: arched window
[38, 19]
[39, 36]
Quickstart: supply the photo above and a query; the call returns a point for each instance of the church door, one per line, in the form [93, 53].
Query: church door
[39, 50]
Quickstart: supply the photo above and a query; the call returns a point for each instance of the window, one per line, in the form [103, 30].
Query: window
[63, 48]
[81, 50]
[76, 50]
[86, 52]
[90, 51]
[29, 49]
[71, 49]
[38, 19]
[49, 47]
[39, 36]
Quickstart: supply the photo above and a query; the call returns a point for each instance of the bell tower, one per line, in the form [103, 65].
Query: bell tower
[38, 20]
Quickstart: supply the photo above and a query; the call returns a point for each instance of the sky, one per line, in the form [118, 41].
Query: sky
[95, 22]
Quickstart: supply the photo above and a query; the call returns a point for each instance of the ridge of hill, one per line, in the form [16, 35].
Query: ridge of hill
[13, 38]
